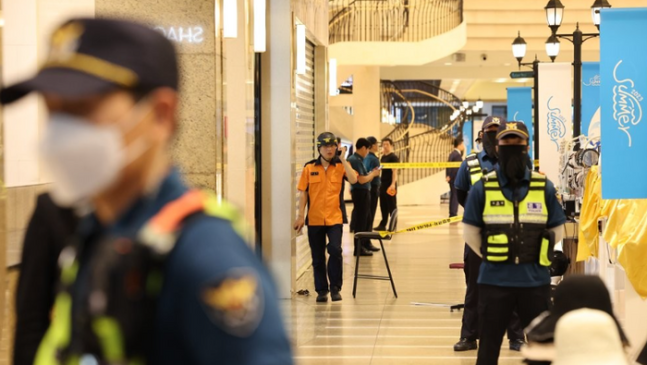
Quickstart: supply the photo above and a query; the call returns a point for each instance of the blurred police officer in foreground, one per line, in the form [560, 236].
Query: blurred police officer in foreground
[512, 220]
[319, 189]
[470, 172]
[157, 273]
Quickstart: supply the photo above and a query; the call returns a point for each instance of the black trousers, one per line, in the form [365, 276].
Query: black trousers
[453, 200]
[361, 214]
[470, 326]
[375, 196]
[496, 305]
[388, 204]
[317, 239]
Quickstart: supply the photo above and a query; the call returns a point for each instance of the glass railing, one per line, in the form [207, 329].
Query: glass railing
[392, 20]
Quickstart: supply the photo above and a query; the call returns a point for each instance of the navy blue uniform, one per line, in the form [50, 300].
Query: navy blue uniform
[505, 287]
[472, 263]
[371, 162]
[210, 260]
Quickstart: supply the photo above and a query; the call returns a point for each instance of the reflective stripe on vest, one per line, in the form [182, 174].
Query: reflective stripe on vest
[160, 233]
[498, 210]
[474, 165]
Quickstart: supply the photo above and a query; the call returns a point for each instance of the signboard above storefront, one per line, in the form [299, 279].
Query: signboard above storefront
[183, 34]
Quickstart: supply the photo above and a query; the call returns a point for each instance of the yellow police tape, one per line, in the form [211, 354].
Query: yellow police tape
[432, 224]
[426, 165]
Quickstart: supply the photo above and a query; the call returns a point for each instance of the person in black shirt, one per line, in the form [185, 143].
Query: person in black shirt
[47, 233]
[455, 156]
[388, 187]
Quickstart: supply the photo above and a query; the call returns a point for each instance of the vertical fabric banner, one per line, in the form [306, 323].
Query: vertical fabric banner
[590, 98]
[468, 137]
[520, 109]
[623, 55]
[555, 121]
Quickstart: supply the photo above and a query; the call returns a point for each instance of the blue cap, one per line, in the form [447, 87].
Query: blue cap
[492, 120]
[512, 128]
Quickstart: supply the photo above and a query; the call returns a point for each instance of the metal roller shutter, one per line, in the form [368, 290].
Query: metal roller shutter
[305, 141]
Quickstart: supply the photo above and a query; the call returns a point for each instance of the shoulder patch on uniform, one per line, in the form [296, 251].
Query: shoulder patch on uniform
[235, 303]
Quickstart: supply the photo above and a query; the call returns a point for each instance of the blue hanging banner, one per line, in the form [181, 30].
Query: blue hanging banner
[590, 98]
[520, 109]
[468, 137]
[623, 51]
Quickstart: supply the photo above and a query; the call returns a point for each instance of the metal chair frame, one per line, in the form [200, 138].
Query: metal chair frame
[393, 223]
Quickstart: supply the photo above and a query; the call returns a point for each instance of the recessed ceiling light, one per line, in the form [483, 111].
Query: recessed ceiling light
[507, 64]
[501, 80]
[448, 63]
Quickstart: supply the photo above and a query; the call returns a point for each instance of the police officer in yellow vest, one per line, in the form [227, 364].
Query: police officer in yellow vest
[512, 220]
[158, 273]
[470, 172]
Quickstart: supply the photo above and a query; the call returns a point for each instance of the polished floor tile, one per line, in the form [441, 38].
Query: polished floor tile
[375, 328]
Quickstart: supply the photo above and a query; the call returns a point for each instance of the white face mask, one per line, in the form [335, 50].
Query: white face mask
[85, 159]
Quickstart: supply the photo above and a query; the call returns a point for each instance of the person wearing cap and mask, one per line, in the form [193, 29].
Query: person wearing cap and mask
[319, 188]
[478, 145]
[470, 172]
[157, 273]
[512, 220]
[573, 293]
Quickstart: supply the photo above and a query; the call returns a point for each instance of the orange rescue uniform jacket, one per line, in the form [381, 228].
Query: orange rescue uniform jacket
[323, 188]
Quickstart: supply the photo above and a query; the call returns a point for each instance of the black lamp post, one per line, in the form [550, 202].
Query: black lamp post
[519, 51]
[554, 16]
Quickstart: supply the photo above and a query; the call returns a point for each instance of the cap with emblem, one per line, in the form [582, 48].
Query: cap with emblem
[95, 56]
[512, 128]
[326, 139]
[491, 120]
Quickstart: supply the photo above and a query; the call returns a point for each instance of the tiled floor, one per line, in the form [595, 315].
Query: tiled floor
[376, 328]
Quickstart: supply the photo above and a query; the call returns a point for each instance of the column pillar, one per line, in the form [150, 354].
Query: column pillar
[278, 146]
[366, 102]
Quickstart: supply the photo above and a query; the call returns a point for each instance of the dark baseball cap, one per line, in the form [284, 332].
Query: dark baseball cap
[512, 128]
[95, 56]
[492, 120]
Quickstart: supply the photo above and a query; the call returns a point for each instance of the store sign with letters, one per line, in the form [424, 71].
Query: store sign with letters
[183, 34]
[623, 76]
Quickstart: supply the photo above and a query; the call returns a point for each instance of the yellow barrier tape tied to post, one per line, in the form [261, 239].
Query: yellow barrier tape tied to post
[426, 225]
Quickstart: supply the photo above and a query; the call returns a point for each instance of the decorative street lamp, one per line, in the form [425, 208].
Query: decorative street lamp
[519, 52]
[552, 47]
[554, 16]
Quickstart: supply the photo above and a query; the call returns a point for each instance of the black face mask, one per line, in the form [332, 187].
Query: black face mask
[513, 160]
[489, 144]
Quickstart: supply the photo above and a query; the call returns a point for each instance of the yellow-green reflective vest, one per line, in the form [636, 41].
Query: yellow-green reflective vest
[159, 235]
[515, 232]
[474, 166]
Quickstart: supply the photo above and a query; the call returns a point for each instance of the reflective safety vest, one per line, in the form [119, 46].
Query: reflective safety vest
[474, 165]
[115, 326]
[515, 232]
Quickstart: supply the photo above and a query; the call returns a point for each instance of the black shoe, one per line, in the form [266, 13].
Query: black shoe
[334, 295]
[515, 345]
[370, 247]
[465, 345]
[322, 296]
[363, 252]
[379, 228]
